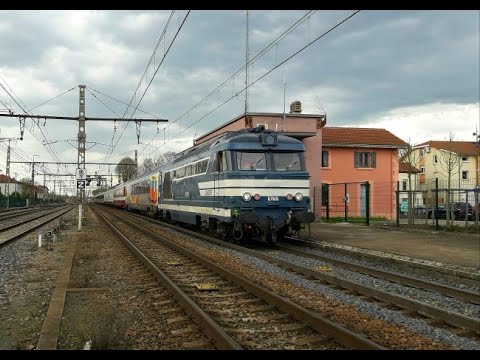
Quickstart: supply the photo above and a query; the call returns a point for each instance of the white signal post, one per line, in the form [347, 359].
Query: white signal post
[81, 176]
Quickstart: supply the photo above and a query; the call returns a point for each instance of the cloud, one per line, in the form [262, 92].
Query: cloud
[435, 121]
[415, 70]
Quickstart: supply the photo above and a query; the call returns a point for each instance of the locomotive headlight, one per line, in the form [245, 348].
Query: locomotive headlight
[298, 196]
[289, 196]
[256, 197]
[247, 196]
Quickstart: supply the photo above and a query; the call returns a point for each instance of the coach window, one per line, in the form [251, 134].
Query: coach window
[167, 186]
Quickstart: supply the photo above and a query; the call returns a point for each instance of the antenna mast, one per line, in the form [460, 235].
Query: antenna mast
[284, 92]
[246, 69]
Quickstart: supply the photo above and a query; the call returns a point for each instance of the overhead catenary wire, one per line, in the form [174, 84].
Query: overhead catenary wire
[131, 107]
[273, 43]
[106, 159]
[264, 75]
[121, 102]
[54, 98]
[11, 93]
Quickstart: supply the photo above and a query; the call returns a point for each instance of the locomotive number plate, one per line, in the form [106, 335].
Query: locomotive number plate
[273, 198]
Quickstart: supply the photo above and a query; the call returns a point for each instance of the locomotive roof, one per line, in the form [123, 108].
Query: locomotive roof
[245, 139]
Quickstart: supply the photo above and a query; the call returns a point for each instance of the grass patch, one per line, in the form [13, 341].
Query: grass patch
[110, 331]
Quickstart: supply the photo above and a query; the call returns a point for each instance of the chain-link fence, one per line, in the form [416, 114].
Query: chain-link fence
[437, 203]
[433, 203]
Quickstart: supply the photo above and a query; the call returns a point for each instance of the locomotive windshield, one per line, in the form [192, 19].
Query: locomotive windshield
[251, 160]
[277, 161]
[287, 161]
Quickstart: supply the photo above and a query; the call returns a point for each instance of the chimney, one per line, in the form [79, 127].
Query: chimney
[296, 107]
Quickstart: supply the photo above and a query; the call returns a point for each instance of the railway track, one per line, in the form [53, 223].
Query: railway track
[434, 315]
[463, 294]
[235, 312]
[16, 227]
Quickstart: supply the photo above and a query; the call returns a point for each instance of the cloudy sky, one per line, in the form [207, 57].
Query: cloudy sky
[414, 73]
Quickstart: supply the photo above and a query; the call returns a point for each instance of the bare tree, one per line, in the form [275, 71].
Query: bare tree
[126, 168]
[449, 160]
[149, 163]
[26, 186]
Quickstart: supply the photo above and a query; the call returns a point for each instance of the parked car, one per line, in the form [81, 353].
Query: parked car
[457, 209]
[441, 212]
[462, 211]
[420, 210]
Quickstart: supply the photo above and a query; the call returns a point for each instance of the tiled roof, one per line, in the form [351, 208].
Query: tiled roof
[407, 168]
[459, 147]
[349, 136]
[3, 178]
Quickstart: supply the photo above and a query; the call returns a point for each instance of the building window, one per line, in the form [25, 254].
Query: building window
[324, 158]
[422, 153]
[435, 159]
[422, 169]
[365, 159]
[464, 158]
[404, 185]
[464, 175]
[324, 194]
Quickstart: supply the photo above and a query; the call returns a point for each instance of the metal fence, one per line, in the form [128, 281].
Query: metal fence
[342, 201]
[438, 204]
[369, 201]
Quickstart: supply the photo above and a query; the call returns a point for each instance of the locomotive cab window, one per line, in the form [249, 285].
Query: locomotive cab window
[251, 160]
[288, 161]
[220, 164]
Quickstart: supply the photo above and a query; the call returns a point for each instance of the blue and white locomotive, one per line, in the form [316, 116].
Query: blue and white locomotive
[247, 184]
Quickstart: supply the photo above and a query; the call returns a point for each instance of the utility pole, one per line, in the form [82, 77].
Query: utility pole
[44, 188]
[32, 196]
[82, 137]
[7, 171]
[136, 163]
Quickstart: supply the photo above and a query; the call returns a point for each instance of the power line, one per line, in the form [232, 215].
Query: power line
[22, 107]
[273, 43]
[121, 102]
[56, 97]
[260, 78]
[158, 67]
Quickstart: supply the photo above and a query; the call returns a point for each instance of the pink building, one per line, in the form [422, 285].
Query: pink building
[350, 158]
